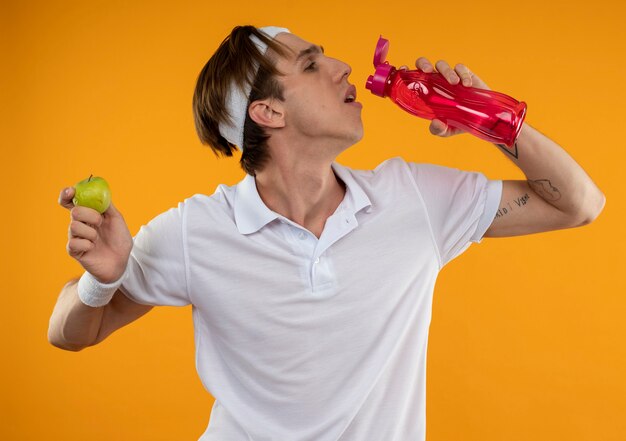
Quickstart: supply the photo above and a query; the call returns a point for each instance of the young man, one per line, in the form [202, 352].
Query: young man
[311, 282]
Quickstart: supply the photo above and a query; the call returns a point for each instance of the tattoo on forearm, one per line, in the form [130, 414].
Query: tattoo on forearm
[518, 203]
[506, 149]
[545, 189]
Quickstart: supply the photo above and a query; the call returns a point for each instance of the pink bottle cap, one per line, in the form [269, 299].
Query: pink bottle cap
[376, 83]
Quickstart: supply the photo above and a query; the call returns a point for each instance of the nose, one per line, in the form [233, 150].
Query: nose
[344, 69]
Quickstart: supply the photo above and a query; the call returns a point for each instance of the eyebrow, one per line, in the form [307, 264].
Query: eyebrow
[313, 49]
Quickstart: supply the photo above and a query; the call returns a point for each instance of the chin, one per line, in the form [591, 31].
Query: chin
[358, 136]
[354, 140]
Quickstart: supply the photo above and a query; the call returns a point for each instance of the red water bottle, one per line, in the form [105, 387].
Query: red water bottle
[489, 115]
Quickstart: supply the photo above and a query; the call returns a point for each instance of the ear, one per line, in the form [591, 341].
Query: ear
[267, 113]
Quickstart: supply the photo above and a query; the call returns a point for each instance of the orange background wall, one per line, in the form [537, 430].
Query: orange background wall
[527, 337]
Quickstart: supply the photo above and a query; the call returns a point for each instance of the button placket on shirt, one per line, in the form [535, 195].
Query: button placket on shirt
[307, 245]
[337, 226]
[320, 268]
[302, 244]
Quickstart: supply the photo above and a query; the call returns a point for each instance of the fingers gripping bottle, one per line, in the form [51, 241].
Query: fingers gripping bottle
[487, 114]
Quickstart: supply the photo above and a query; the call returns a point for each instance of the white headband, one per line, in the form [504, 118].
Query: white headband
[237, 100]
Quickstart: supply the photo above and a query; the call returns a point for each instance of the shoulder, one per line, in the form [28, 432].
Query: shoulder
[177, 214]
[393, 173]
[398, 166]
[388, 169]
[200, 209]
[221, 200]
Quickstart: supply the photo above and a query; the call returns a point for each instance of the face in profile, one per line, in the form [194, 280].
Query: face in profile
[315, 88]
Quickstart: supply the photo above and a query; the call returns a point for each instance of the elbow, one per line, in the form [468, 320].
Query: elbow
[65, 346]
[591, 210]
[57, 341]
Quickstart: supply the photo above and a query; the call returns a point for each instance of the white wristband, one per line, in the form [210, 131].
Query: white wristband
[95, 293]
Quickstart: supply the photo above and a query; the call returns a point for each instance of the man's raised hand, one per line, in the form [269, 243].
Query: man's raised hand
[101, 243]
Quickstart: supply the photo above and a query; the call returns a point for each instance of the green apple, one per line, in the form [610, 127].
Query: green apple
[93, 192]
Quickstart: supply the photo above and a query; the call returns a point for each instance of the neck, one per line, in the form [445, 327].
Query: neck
[305, 193]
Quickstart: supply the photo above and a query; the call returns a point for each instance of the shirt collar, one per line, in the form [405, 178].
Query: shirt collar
[251, 213]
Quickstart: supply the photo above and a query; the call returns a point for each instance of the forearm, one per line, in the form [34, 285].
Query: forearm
[73, 325]
[554, 175]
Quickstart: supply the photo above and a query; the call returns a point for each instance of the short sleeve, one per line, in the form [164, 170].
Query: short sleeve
[156, 271]
[461, 205]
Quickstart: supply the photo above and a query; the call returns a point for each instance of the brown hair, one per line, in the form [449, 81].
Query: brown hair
[234, 61]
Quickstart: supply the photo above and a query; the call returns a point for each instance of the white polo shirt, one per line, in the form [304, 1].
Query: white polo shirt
[301, 339]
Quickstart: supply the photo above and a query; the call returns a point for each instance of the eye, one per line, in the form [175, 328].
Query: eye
[310, 66]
